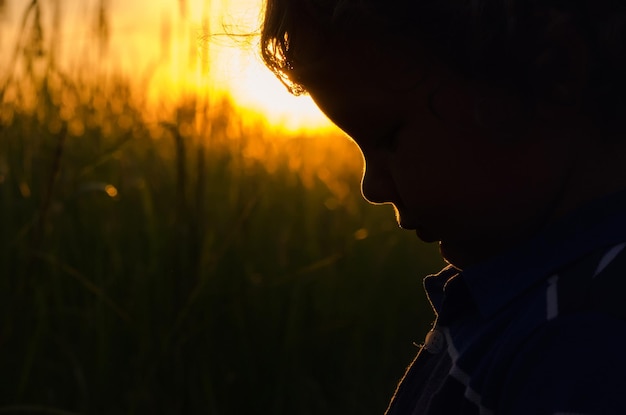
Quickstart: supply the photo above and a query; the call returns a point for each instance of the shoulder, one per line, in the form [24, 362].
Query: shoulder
[575, 363]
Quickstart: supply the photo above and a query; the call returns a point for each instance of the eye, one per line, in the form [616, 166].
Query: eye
[431, 102]
[389, 141]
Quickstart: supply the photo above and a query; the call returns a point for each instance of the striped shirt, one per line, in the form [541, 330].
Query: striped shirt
[539, 330]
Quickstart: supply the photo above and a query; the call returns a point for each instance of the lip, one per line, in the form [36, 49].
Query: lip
[405, 224]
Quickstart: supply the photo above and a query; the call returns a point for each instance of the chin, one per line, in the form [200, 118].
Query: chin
[451, 255]
[463, 255]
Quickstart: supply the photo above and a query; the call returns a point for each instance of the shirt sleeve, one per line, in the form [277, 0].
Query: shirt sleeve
[575, 364]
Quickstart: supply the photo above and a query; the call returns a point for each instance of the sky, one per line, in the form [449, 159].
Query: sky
[163, 40]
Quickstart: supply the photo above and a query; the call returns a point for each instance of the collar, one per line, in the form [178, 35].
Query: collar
[496, 282]
[435, 286]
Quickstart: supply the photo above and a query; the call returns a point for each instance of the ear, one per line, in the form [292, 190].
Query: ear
[560, 70]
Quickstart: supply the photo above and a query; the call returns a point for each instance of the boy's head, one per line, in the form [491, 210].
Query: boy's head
[517, 44]
[479, 122]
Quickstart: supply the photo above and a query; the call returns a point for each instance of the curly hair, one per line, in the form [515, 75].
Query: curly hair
[500, 42]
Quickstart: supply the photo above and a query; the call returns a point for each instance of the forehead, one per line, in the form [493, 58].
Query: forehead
[340, 59]
[363, 87]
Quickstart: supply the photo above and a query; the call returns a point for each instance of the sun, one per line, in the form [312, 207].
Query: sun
[235, 67]
[172, 49]
[254, 86]
[193, 46]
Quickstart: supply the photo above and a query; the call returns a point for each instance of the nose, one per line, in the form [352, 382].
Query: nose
[376, 184]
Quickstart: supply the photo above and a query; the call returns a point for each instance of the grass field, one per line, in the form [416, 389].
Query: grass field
[195, 261]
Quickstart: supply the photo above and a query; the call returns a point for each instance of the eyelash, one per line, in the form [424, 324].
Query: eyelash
[431, 102]
[389, 141]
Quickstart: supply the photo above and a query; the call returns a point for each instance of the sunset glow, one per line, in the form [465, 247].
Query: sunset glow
[212, 46]
[174, 48]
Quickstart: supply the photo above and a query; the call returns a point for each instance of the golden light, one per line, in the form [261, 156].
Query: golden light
[361, 234]
[208, 46]
[111, 190]
[173, 49]
[254, 86]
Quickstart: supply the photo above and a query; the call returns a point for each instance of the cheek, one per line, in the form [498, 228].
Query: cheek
[453, 105]
[425, 177]
[457, 177]
[485, 108]
[436, 164]
[476, 183]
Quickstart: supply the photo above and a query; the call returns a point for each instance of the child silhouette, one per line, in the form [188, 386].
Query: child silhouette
[495, 128]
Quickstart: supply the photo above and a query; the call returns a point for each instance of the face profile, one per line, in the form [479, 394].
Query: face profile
[428, 155]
